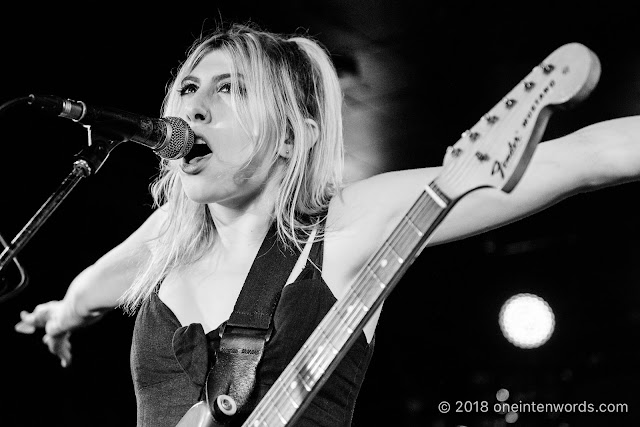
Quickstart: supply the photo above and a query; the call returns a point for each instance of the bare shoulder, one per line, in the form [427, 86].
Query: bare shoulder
[153, 227]
[140, 242]
[377, 200]
[362, 216]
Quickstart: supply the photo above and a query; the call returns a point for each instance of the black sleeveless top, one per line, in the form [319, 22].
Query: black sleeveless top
[170, 362]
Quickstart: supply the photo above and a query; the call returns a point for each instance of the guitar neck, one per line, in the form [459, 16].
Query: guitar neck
[327, 345]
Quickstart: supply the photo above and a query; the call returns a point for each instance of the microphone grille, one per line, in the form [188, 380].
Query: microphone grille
[180, 139]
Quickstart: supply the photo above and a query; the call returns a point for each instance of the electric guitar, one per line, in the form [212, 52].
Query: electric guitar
[493, 153]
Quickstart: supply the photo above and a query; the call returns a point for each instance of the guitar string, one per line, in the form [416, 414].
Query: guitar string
[316, 365]
[289, 397]
[307, 365]
[357, 299]
[312, 365]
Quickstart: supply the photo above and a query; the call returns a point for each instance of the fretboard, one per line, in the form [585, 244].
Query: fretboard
[335, 334]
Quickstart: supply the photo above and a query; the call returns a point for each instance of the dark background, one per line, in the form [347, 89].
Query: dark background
[415, 77]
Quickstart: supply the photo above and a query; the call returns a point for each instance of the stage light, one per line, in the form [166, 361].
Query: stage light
[526, 320]
[511, 417]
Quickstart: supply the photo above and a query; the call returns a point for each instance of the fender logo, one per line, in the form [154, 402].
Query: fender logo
[501, 166]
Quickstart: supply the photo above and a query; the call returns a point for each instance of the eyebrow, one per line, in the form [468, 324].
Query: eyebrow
[214, 79]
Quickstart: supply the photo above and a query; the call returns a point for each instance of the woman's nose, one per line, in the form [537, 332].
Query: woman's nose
[198, 111]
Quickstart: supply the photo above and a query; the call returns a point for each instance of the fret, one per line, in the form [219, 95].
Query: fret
[286, 411]
[307, 378]
[292, 401]
[402, 244]
[415, 228]
[371, 286]
[356, 306]
[330, 340]
[382, 275]
[294, 386]
[293, 392]
[396, 249]
[304, 383]
[308, 373]
[423, 212]
[282, 419]
[363, 295]
[312, 369]
[399, 258]
[346, 325]
[375, 276]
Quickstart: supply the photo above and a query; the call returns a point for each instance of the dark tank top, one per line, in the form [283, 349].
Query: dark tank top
[170, 362]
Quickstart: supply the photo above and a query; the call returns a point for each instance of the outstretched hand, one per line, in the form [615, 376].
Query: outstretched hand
[58, 321]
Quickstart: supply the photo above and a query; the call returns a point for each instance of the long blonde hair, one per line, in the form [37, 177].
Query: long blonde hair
[286, 80]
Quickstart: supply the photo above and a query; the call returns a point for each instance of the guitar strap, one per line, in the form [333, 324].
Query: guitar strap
[249, 327]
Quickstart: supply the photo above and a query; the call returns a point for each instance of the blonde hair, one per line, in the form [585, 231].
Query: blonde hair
[286, 81]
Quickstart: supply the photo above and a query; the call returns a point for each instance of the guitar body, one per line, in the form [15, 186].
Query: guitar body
[198, 416]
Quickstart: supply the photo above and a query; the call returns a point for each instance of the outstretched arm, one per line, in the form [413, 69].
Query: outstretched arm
[94, 291]
[597, 156]
[600, 155]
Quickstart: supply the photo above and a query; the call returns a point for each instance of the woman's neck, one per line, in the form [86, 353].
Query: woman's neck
[239, 225]
[235, 229]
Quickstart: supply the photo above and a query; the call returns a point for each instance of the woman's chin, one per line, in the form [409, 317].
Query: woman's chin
[199, 196]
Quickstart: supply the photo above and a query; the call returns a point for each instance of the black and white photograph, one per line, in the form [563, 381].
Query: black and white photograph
[339, 213]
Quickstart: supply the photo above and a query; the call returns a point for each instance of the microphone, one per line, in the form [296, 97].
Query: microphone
[169, 137]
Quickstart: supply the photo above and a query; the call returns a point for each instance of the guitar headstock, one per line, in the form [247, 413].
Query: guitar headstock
[496, 151]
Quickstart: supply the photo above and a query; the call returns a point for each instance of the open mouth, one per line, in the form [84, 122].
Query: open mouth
[198, 151]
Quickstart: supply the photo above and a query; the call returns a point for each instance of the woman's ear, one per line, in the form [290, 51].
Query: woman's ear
[286, 149]
[313, 133]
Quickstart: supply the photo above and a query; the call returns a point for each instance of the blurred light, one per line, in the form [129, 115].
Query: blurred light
[526, 320]
[502, 395]
[511, 417]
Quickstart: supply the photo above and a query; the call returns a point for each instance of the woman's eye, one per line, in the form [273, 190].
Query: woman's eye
[225, 87]
[187, 89]
[228, 88]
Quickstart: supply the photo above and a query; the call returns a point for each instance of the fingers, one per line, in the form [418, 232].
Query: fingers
[26, 324]
[56, 338]
[38, 318]
[59, 346]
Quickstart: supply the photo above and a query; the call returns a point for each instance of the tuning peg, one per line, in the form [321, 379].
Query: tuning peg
[491, 119]
[547, 68]
[471, 135]
[483, 157]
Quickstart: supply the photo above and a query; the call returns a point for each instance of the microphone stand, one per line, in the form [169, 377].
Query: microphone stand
[88, 162]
